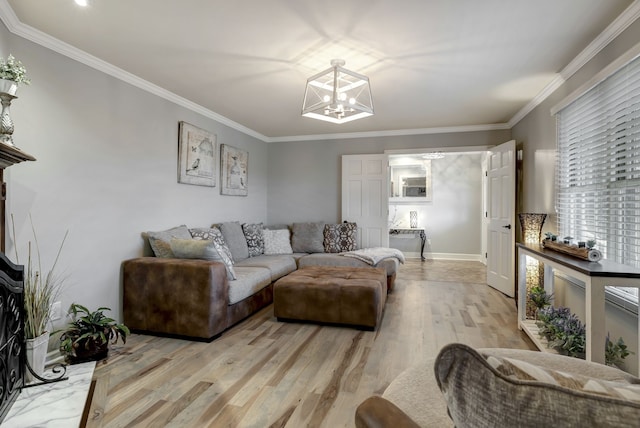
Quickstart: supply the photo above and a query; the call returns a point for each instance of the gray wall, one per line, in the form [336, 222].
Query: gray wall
[305, 177]
[106, 170]
[537, 133]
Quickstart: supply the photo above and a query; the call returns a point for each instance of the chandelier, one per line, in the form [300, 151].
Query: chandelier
[337, 95]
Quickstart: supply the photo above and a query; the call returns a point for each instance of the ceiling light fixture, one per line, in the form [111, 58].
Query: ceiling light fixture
[337, 95]
[82, 3]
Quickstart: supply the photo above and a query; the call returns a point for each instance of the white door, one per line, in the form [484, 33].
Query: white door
[501, 207]
[365, 197]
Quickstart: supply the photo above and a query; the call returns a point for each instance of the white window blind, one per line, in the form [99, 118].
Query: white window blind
[598, 170]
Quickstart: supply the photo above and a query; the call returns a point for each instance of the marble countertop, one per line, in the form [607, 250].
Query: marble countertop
[58, 404]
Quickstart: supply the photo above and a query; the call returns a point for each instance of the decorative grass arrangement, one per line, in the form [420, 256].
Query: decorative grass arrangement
[40, 291]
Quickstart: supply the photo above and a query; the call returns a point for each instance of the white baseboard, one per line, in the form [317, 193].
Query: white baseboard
[444, 256]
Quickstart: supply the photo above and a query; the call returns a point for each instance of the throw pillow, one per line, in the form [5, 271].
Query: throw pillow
[213, 234]
[276, 242]
[479, 393]
[340, 237]
[307, 237]
[161, 241]
[202, 249]
[253, 235]
[234, 237]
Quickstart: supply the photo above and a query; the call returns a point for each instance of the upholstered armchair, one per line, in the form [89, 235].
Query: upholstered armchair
[497, 387]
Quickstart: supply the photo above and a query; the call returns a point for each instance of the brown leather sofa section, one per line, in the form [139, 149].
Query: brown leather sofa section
[182, 297]
[337, 295]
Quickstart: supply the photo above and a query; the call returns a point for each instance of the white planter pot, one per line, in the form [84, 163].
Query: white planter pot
[8, 86]
[36, 355]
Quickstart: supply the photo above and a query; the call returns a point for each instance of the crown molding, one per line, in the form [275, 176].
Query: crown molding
[613, 30]
[391, 133]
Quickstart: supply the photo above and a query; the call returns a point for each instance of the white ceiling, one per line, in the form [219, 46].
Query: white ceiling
[431, 63]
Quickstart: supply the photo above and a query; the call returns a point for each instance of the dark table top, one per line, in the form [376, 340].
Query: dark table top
[603, 268]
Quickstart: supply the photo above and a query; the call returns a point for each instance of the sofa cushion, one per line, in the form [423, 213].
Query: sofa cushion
[234, 237]
[249, 280]
[307, 237]
[340, 237]
[277, 242]
[213, 234]
[478, 394]
[278, 265]
[253, 236]
[202, 249]
[161, 241]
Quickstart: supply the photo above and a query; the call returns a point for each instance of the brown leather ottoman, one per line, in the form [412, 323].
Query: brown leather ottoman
[328, 294]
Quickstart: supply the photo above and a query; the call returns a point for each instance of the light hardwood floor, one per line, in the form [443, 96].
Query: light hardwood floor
[264, 373]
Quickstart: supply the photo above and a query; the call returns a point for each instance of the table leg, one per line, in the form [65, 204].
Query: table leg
[595, 334]
[423, 239]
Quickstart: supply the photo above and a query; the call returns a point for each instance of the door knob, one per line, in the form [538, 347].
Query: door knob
[507, 226]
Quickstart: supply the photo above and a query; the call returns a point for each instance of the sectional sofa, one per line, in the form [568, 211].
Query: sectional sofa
[198, 282]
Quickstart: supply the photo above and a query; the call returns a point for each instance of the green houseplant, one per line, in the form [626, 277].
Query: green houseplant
[87, 337]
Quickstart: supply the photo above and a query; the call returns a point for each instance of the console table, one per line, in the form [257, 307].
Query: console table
[595, 275]
[416, 232]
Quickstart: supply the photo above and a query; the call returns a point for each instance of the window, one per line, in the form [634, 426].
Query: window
[598, 171]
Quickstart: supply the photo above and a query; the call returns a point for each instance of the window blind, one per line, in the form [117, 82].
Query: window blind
[598, 170]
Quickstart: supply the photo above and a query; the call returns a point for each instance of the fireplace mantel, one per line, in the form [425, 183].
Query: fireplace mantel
[10, 155]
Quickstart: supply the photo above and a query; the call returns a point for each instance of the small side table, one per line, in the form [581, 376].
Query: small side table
[416, 232]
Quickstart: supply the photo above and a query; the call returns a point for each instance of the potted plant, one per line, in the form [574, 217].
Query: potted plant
[87, 337]
[40, 292]
[12, 73]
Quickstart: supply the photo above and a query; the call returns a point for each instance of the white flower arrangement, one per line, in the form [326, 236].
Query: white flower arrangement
[12, 69]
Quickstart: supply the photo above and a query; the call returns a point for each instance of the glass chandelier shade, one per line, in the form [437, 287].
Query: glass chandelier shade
[337, 95]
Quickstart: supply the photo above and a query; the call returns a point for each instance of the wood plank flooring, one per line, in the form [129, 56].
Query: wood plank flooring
[263, 373]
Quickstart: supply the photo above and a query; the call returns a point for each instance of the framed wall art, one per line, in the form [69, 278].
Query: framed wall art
[234, 171]
[197, 150]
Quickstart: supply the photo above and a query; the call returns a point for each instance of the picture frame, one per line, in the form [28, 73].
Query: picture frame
[197, 150]
[234, 169]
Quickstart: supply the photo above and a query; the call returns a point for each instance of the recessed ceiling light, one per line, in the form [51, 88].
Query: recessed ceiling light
[82, 2]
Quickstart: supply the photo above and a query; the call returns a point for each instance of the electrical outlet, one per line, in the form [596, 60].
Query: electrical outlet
[56, 311]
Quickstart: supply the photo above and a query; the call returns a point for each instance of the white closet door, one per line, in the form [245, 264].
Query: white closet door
[365, 197]
[501, 213]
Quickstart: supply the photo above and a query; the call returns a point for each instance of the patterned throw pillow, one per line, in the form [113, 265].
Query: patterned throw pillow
[212, 234]
[340, 237]
[161, 241]
[205, 249]
[255, 241]
[276, 242]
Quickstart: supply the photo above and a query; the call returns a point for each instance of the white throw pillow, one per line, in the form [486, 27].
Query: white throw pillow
[276, 242]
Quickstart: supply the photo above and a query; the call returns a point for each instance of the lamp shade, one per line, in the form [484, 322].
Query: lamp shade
[531, 224]
[337, 95]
